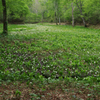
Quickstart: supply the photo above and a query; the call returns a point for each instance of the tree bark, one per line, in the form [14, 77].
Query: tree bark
[56, 6]
[59, 21]
[56, 18]
[72, 15]
[5, 30]
[84, 22]
[79, 5]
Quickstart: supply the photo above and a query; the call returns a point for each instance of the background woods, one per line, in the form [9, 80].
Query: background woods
[33, 11]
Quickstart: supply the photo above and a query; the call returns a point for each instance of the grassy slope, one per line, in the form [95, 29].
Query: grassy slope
[48, 53]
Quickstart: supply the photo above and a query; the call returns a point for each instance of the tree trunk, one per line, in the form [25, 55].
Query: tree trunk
[72, 15]
[59, 21]
[56, 6]
[84, 22]
[5, 30]
[42, 18]
[79, 5]
[56, 18]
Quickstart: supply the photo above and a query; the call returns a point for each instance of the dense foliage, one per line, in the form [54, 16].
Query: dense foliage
[45, 10]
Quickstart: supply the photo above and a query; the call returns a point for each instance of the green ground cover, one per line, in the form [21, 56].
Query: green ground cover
[44, 54]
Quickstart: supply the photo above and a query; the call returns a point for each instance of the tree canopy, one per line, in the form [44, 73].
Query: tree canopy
[85, 11]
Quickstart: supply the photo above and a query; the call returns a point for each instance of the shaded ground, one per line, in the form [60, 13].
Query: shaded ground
[22, 91]
[89, 26]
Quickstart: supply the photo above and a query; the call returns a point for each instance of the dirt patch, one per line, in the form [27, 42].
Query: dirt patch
[22, 91]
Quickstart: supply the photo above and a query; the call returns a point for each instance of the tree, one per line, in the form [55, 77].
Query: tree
[72, 14]
[5, 30]
[79, 4]
[17, 13]
[57, 10]
[92, 11]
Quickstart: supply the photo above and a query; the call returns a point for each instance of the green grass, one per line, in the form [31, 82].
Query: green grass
[47, 53]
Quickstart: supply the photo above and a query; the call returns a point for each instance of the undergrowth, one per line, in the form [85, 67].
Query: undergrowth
[47, 54]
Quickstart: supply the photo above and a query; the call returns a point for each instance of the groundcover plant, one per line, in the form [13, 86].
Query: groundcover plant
[42, 58]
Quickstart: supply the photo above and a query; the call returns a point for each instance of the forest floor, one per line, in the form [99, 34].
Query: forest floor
[22, 91]
[89, 26]
[49, 62]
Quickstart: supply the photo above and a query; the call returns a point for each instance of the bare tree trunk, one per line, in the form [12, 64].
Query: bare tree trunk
[59, 21]
[5, 30]
[79, 5]
[56, 18]
[83, 19]
[72, 15]
[64, 19]
[55, 5]
[84, 22]
[42, 18]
